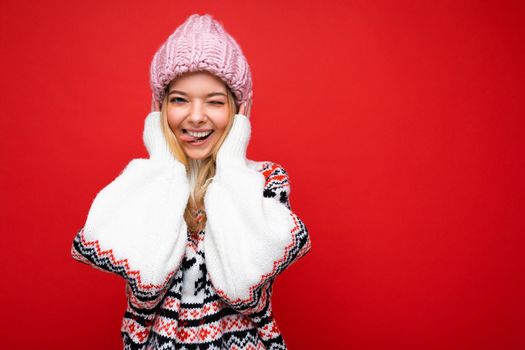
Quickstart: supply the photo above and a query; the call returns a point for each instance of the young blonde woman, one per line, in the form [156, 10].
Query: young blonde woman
[198, 231]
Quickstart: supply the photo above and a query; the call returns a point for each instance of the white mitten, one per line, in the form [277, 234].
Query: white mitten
[250, 237]
[135, 226]
[154, 139]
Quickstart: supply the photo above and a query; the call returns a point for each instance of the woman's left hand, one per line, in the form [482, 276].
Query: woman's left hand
[245, 108]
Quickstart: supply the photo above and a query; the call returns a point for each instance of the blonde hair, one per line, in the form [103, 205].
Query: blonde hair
[200, 172]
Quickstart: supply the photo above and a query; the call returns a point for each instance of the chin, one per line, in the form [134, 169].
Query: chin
[198, 155]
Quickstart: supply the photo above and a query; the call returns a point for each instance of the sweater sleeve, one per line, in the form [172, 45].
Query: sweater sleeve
[252, 234]
[135, 228]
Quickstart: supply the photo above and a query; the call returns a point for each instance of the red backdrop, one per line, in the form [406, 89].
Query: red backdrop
[400, 123]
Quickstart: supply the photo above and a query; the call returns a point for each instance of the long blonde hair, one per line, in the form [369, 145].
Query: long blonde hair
[199, 172]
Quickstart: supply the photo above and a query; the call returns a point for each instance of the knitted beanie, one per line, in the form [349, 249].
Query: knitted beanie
[201, 43]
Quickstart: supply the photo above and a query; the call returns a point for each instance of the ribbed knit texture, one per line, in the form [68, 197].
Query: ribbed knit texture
[201, 43]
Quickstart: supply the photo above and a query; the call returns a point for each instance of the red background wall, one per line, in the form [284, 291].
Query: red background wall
[400, 123]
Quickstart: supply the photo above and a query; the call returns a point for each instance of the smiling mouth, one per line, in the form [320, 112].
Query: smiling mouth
[192, 139]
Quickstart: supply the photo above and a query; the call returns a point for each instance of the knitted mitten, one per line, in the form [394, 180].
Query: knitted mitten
[251, 233]
[135, 225]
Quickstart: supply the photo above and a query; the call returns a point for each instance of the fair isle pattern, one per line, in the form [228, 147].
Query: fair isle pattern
[297, 248]
[89, 252]
[159, 317]
[210, 324]
[276, 185]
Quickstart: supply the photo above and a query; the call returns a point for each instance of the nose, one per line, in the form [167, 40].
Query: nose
[197, 113]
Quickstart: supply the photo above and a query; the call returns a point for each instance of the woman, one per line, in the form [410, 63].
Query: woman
[198, 231]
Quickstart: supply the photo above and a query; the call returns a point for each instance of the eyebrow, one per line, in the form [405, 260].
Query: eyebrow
[209, 95]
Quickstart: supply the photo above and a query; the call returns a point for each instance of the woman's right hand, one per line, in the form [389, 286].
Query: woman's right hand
[153, 136]
[155, 105]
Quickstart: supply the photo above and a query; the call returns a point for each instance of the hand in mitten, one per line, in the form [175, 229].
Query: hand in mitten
[153, 136]
[135, 226]
[251, 236]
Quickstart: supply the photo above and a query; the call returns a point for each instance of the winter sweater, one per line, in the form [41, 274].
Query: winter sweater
[203, 290]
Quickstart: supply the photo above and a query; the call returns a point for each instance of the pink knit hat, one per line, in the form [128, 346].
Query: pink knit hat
[201, 43]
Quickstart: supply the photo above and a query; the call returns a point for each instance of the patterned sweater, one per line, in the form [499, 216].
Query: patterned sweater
[196, 290]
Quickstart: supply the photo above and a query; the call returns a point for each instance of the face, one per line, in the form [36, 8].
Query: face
[197, 112]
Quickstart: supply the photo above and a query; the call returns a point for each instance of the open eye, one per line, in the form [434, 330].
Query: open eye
[177, 100]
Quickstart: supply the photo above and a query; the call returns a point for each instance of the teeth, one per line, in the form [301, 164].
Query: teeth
[199, 134]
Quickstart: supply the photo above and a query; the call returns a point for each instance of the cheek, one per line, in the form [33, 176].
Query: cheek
[173, 120]
[221, 120]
